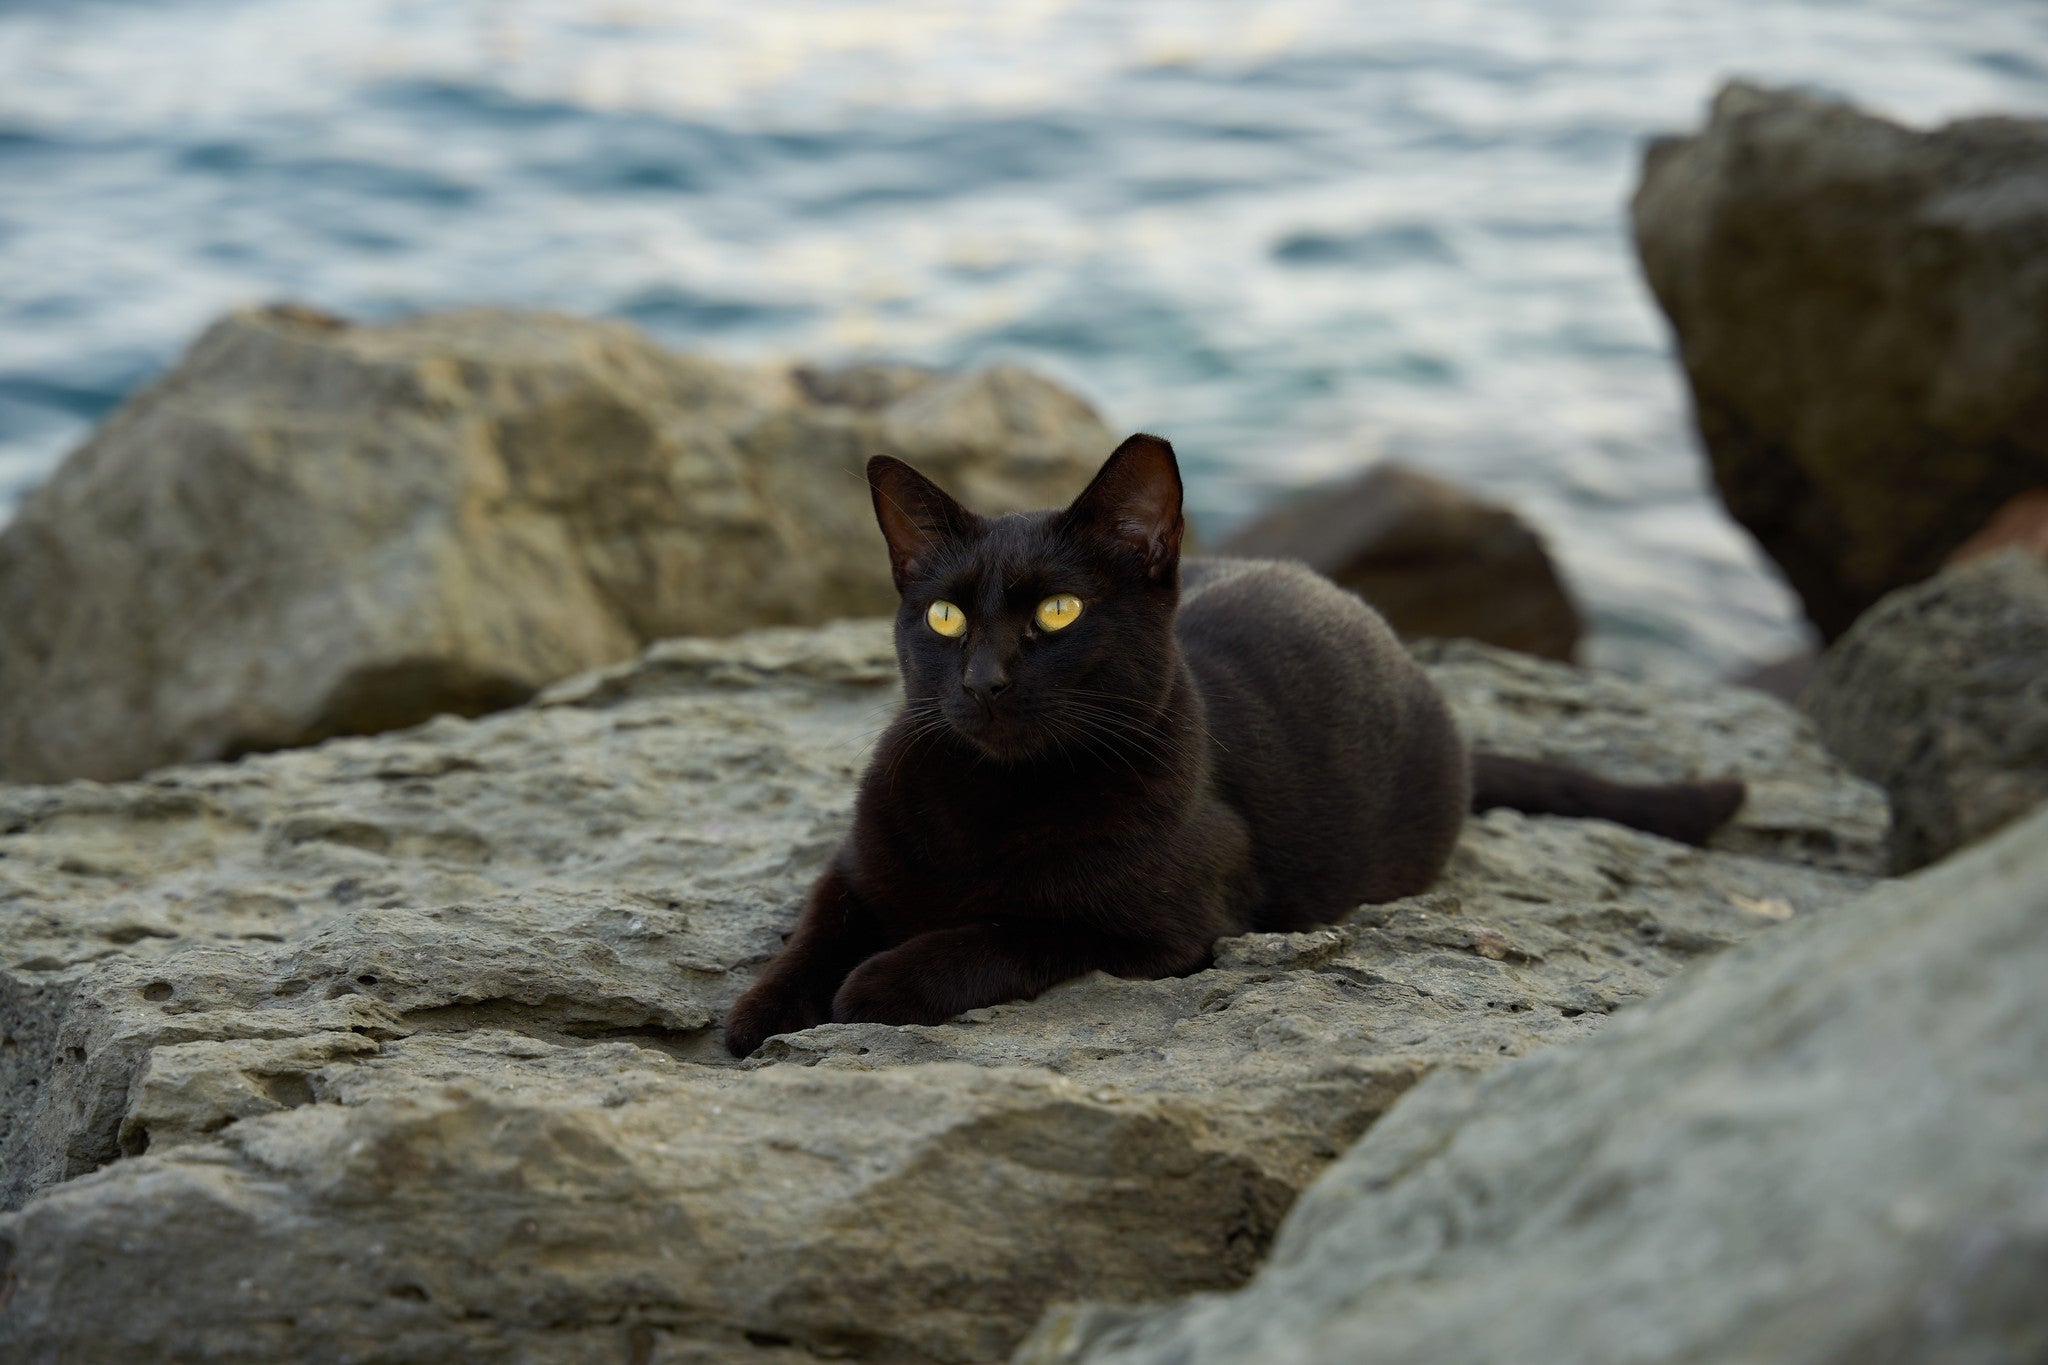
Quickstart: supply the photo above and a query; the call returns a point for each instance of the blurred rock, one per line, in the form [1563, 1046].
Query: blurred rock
[2021, 524]
[312, 529]
[406, 1045]
[1784, 677]
[1862, 310]
[1826, 1146]
[1435, 560]
[1939, 694]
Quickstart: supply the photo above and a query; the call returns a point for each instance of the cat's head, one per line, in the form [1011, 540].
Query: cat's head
[1039, 633]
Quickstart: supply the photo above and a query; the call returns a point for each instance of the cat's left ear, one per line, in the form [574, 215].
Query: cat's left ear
[1135, 497]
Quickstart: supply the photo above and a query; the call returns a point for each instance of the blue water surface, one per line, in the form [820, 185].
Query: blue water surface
[1295, 237]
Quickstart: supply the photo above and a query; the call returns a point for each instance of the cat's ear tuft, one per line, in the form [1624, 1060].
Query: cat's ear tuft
[916, 515]
[1136, 498]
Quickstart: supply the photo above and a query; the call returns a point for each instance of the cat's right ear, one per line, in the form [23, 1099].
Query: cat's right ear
[916, 515]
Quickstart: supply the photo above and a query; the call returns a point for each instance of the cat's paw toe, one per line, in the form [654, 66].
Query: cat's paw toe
[742, 1036]
[755, 1019]
[741, 1041]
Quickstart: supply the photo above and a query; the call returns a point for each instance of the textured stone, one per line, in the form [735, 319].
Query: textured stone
[1531, 709]
[1940, 694]
[1830, 1145]
[1435, 560]
[1862, 310]
[311, 529]
[461, 1197]
[407, 1044]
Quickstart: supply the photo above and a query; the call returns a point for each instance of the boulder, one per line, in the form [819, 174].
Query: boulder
[1828, 1145]
[1940, 695]
[311, 529]
[1435, 560]
[1862, 310]
[407, 1045]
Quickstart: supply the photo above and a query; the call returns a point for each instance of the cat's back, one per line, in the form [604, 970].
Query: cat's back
[1328, 739]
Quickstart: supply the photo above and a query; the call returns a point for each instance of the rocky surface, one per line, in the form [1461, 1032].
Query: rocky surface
[405, 1045]
[1435, 560]
[311, 529]
[1530, 709]
[1862, 310]
[1940, 695]
[1829, 1146]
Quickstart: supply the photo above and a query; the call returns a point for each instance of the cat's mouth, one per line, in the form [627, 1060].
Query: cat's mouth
[1003, 734]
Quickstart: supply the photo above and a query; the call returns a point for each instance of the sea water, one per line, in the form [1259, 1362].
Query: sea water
[1296, 237]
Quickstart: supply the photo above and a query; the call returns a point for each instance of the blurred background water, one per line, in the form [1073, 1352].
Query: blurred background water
[1294, 237]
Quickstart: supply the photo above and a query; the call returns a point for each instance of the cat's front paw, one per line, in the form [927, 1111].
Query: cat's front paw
[768, 1008]
[889, 988]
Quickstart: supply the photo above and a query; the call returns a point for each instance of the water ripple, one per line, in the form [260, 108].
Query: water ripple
[1294, 237]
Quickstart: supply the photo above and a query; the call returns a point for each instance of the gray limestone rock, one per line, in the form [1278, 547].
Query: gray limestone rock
[1939, 694]
[311, 529]
[1829, 1146]
[406, 1045]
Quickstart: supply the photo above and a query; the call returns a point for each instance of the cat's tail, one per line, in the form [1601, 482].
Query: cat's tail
[1687, 811]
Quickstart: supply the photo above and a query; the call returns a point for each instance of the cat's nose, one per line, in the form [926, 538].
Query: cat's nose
[985, 679]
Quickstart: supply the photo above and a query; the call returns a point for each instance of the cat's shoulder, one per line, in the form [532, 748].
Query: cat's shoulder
[1206, 574]
[1280, 591]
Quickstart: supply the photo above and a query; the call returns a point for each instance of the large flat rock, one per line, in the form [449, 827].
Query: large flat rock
[1830, 1145]
[407, 1045]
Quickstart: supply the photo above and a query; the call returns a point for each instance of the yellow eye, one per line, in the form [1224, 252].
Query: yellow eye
[1059, 611]
[945, 618]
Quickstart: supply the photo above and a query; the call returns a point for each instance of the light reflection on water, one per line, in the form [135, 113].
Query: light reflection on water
[1292, 237]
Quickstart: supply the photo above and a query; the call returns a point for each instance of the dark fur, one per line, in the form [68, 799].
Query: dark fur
[1211, 748]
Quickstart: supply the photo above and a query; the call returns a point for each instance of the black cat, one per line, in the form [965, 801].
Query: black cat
[1108, 759]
